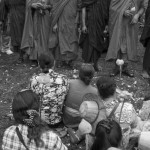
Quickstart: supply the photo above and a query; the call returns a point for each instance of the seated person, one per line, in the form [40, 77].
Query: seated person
[53, 88]
[30, 132]
[77, 89]
[124, 112]
[108, 135]
[107, 92]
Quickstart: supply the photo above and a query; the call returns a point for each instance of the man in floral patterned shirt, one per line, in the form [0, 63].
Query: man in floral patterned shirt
[52, 87]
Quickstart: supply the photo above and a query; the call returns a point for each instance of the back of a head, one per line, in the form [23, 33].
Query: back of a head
[108, 134]
[86, 73]
[46, 62]
[22, 102]
[25, 108]
[106, 87]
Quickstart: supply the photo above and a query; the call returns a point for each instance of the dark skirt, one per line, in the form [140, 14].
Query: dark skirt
[145, 40]
[89, 53]
[146, 59]
[17, 18]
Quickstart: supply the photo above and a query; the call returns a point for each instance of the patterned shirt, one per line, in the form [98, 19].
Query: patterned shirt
[11, 141]
[53, 88]
[128, 118]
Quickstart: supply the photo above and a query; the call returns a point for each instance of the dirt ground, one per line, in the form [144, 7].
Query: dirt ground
[14, 77]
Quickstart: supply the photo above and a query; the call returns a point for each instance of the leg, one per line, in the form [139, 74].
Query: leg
[146, 62]
[21, 54]
[116, 70]
[126, 70]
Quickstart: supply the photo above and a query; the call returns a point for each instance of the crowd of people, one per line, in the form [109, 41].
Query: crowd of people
[53, 106]
[63, 27]
[49, 33]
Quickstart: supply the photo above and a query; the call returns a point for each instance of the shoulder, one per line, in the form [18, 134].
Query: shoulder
[10, 130]
[9, 134]
[93, 89]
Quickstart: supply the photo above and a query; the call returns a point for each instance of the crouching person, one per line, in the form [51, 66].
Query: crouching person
[29, 132]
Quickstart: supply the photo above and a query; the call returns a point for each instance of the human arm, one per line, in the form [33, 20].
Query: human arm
[36, 5]
[139, 13]
[84, 28]
[55, 28]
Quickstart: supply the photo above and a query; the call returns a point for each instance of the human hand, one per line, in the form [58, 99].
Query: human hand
[55, 28]
[135, 19]
[128, 13]
[84, 29]
[106, 29]
[37, 5]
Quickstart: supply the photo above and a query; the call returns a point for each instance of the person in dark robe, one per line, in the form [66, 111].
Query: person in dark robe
[95, 14]
[145, 40]
[16, 10]
[123, 31]
[36, 29]
[63, 38]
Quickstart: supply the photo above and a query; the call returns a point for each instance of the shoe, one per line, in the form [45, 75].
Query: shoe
[128, 73]
[9, 52]
[34, 63]
[115, 72]
[145, 74]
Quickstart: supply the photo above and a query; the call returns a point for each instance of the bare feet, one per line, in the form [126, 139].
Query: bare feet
[145, 75]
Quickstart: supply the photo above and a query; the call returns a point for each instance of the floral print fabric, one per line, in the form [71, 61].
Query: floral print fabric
[52, 87]
[128, 118]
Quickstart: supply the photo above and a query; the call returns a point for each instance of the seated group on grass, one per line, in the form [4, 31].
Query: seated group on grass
[94, 114]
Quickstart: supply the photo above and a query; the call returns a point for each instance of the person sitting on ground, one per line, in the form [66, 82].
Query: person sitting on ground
[77, 89]
[124, 112]
[29, 132]
[108, 135]
[52, 87]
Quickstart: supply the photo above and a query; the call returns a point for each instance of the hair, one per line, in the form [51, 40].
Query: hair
[27, 100]
[106, 87]
[86, 73]
[108, 134]
[46, 61]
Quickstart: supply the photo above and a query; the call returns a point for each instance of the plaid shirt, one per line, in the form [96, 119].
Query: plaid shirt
[11, 141]
[53, 87]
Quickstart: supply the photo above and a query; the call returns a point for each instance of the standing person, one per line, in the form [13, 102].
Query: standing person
[16, 10]
[36, 29]
[95, 14]
[64, 34]
[123, 31]
[145, 40]
[29, 131]
[5, 40]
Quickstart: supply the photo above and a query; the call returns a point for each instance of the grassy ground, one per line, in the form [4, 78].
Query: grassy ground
[14, 77]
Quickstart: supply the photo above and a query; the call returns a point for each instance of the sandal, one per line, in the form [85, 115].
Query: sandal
[73, 136]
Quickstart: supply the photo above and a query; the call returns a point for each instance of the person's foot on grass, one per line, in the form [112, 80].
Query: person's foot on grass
[34, 63]
[145, 75]
[20, 60]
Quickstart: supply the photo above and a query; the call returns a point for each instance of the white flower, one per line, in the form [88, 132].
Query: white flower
[119, 62]
[132, 9]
